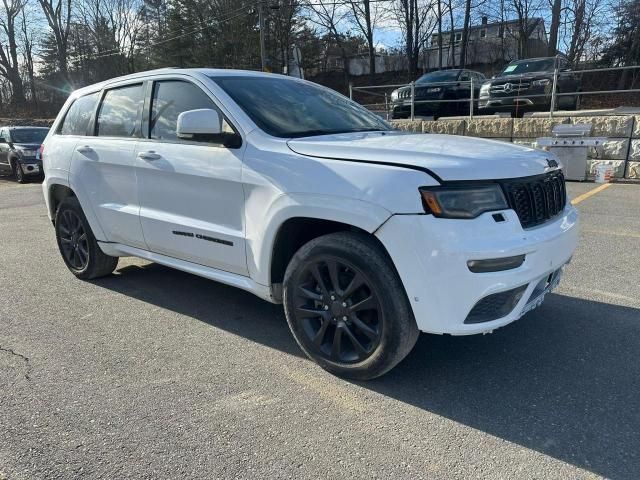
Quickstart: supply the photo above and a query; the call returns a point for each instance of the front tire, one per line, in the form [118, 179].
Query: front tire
[78, 246]
[18, 173]
[346, 306]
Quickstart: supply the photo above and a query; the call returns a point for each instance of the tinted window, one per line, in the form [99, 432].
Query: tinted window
[76, 121]
[28, 135]
[440, 76]
[285, 107]
[170, 99]
[120, 112]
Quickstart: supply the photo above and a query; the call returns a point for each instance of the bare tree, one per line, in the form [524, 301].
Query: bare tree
[9, 64]
[58, 15]
[364, 15]
[556, 10]
[329, 17]
[525, 12]
[465, 33]
[27, 43]
[417, 21]
[583, 19]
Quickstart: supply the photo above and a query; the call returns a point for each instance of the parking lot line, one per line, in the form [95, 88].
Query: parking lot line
[590, 193]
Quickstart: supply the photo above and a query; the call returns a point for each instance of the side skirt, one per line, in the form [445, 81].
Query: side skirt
[232, 279]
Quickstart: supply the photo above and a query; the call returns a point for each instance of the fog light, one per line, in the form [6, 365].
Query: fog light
[495, 264]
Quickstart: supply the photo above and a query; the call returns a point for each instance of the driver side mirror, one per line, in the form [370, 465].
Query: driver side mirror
[203, 121]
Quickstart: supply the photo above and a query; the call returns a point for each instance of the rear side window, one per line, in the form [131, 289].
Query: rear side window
[170, 99]
[76, 121]
[119, 114]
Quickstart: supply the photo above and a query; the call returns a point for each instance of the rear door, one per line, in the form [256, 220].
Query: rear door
[75, 127]
[190, 191]
[102, 165]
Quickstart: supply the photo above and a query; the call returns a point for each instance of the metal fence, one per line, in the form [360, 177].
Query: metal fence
[384, 92]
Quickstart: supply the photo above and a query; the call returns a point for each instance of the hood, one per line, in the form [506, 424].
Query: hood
[27, 146]
[522, 76]
[447, 156]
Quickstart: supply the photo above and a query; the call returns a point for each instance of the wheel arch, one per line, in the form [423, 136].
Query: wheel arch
[288, 233]
[57, 193]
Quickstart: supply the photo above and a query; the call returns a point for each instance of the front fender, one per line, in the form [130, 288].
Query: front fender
[262, 227]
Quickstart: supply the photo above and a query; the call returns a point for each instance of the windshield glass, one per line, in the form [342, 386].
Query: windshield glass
[28, 135]
[290, 108]
[441, 76]
[544, 65]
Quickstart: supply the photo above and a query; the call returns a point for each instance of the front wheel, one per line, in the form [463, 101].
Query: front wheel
[18, 173]
[346, 306]
[79, 248]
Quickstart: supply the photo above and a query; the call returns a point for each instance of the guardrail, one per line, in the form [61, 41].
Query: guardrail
[473, 102]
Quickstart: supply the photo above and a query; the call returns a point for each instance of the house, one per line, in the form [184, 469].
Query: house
[489, 45]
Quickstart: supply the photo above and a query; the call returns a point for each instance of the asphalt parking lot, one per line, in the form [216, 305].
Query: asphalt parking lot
[154, 373]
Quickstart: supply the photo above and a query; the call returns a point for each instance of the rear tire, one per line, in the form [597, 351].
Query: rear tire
[78, 246]
[346, 306]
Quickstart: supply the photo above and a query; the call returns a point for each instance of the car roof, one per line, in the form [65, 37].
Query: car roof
[210, 72]
[24, 127]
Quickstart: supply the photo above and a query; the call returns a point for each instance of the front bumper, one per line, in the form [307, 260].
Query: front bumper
[431, 256]
[30, 167]
[531, 99]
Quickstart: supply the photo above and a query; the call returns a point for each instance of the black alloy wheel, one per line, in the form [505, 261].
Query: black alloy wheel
[338, 309]
[73, 240]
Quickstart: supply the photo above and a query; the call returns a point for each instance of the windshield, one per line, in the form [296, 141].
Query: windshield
[544, 65]
[290, 108]
[440, 76]
[28, 135]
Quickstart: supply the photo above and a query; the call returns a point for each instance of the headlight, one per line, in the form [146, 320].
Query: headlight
[462, 202]
[434, 90]
[394, 95]
[485, 87]
[541, 83]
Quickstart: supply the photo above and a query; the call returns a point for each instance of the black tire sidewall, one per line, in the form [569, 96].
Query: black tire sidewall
[71, 203]
[18, 173]
[399, 330]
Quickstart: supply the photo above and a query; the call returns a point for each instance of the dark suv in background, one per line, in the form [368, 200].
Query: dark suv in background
[526, 85]
[20, 152]
[441, 85]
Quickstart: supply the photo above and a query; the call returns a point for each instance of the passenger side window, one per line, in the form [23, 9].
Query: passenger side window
[465, 77]
[76, 121]
[119, 114]
[170, 99]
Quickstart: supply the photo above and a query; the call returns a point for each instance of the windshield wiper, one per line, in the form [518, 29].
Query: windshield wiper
[313, 133]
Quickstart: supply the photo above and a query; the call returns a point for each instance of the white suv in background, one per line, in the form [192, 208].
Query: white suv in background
[293, 192]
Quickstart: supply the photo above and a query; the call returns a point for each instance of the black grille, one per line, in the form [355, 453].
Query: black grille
[495, 306]
[536, 199]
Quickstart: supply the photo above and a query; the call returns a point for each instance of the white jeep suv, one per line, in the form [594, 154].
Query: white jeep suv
[293, 192]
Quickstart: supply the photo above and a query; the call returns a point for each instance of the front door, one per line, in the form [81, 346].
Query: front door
[102, 165]
[190, 191]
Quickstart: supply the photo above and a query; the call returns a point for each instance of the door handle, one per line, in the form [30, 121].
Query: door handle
[149, 156]
[85, 149]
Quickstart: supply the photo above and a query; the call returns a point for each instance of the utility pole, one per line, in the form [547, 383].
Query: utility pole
[261, 22]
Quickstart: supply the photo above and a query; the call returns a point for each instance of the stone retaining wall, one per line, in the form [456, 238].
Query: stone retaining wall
[621, 150]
